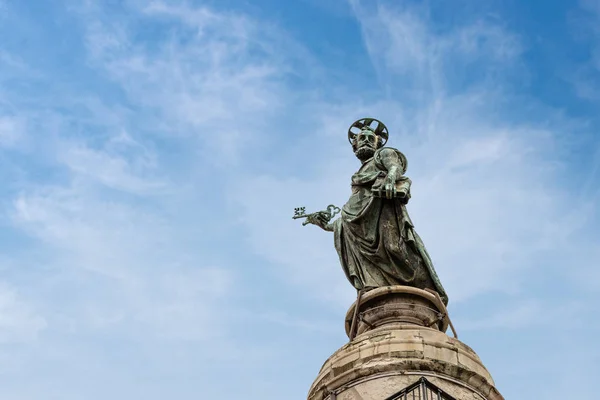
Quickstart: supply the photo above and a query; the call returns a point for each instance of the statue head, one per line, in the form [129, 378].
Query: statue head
[365, 143]
[366, 136]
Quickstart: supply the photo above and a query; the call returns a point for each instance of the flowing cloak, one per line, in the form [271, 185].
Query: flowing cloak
[375, 238]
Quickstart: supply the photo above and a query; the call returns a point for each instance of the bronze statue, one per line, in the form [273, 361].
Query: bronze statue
[374, 236]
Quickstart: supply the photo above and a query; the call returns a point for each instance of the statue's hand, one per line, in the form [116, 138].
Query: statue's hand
[388, 187]
[319, 219]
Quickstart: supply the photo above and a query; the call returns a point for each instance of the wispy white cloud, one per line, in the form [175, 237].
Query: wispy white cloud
[209, 78]
[19, 322]
[400, 41]
[102, 221]
[103, 233]
[121, 164]
[148, 280]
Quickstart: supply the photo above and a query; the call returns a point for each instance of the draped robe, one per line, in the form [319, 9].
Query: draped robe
[375, 238]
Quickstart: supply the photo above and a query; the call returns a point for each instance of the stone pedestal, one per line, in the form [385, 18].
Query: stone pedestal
[400, 339]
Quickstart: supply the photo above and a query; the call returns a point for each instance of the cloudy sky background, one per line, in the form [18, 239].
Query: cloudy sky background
[152, 153]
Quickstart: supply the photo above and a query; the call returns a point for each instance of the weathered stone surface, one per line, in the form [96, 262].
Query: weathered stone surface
[403, 353]
[396, 351]
[385, 386]
[399, 306]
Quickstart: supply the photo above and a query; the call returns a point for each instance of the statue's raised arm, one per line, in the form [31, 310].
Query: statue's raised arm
[374, 236]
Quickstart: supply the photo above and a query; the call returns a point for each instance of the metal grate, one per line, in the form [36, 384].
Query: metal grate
[421, 390]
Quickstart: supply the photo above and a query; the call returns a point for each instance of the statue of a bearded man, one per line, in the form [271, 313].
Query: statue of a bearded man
[374, 237]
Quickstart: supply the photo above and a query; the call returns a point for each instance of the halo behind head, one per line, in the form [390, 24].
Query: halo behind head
[373, 124]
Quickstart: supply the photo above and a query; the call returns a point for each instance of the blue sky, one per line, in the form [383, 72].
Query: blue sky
[152, 153]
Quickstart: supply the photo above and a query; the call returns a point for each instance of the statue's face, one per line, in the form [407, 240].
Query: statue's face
[365, 144]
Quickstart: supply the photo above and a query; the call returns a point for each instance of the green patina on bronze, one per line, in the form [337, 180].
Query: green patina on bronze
[375, 239]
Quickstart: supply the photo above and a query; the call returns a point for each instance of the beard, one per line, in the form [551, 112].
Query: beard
[364, 153]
